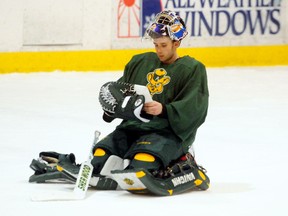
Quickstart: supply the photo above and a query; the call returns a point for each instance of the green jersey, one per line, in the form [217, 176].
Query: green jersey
[181, 87]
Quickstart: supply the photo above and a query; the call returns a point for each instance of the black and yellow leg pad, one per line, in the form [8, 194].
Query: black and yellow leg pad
[141, 181]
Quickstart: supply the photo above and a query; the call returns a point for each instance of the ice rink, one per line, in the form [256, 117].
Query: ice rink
[243, 144]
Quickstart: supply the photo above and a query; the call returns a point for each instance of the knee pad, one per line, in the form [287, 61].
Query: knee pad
[99, 152]
[103, 162]
[99, 159]
[145, 160]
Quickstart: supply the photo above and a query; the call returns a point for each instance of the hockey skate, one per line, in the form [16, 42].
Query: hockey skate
[182, 176]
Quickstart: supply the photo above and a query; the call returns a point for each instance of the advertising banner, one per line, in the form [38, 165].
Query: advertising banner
[209, 22]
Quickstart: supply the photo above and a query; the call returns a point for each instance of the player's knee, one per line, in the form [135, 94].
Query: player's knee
[145, 160]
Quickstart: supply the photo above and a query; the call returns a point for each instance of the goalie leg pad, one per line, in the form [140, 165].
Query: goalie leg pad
[45, 167]
[184, 175]
[99, 159]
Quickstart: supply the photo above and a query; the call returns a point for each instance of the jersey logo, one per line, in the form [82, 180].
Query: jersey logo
[157, 80]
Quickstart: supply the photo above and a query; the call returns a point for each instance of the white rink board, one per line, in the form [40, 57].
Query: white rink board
[104, 25]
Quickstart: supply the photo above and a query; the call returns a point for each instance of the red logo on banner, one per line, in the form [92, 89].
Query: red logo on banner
[129, 18]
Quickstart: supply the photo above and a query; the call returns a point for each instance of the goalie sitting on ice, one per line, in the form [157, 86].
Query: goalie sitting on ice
[149, 151]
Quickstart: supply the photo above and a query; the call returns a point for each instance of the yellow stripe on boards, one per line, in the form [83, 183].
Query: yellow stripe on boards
[64, 61]
[239, 56]
[110, 60]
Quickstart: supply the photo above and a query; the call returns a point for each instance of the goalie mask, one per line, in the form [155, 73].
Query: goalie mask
[167, 23]
[119, 100]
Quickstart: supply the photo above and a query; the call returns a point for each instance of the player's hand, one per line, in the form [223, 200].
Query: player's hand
[153, 108]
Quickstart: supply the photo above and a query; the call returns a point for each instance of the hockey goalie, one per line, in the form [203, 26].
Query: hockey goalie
[162, 99]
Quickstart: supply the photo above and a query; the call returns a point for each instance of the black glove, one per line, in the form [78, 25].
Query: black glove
[119, 100]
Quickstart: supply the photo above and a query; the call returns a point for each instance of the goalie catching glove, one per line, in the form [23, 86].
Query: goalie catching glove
[120, 100]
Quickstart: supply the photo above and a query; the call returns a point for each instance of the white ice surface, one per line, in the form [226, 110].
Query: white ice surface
[243, 144]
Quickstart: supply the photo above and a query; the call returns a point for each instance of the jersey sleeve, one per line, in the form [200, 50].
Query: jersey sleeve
[189, 108]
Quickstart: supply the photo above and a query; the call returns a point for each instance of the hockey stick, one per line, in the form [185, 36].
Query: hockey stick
[81, 185]
[85, 172]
